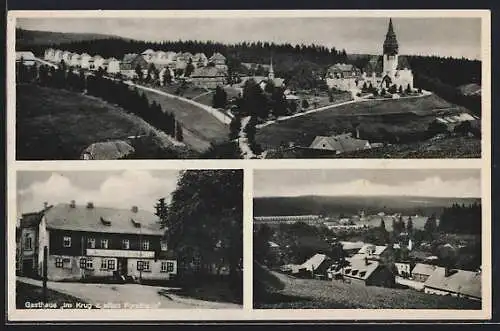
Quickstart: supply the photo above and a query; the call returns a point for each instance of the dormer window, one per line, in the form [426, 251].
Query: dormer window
[136, 224]
[105, 222]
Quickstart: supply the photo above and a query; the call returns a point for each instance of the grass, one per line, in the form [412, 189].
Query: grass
[204, 127]
[26, 293]
[408, 119]
[320, 294]
[54, 124]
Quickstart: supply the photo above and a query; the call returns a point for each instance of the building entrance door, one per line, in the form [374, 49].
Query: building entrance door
[122, 267]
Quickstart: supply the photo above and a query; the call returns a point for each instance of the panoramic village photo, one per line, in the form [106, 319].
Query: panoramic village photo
[367, 238]
[248, 87]
[129, 239]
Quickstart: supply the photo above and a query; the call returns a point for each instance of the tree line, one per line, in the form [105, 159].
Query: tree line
[461, 219]
[113, 91]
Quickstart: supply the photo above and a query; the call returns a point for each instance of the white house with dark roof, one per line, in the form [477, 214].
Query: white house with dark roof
[96, 62]
[341, 143]
[93, 242]
[84, 60]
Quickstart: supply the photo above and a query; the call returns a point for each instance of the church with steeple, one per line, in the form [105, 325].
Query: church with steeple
[381, 72]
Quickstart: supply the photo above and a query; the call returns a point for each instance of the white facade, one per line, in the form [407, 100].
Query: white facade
[74, 60]
[58, 55]
[84, 60]
[113, 66]
[96, 62]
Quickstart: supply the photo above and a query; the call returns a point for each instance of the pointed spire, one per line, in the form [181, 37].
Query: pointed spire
[391, 44]
[271, 70]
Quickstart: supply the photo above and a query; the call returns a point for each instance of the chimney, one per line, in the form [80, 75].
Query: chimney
[90, 205]
[366, 261]
[357, 133]
[135, 209]
[72, 204]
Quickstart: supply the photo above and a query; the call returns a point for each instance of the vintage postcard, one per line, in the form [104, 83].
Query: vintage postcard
[249, 165]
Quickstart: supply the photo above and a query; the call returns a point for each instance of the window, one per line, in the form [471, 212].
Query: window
[28, 242]
[59, 262]
[91, 243]
[111, 264]
[89, 265]
[104, 243]
[145, 245]
[167, 266]
[163, 245]
[67, 241]
[83, 263]
[125, 244]
[104, 264]
[143, 266]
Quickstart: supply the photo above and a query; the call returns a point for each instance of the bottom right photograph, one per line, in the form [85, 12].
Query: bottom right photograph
[367, 238]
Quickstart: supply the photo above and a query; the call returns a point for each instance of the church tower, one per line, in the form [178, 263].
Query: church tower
[391, 49]
[270, 76]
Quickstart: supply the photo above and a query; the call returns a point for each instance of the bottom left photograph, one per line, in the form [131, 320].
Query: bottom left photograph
[129, 239]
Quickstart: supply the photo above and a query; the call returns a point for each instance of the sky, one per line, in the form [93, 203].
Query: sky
[444, 36]
[119, 189]
[450, 183]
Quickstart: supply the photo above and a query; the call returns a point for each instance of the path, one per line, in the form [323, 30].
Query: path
[245, 149]
[128, 295]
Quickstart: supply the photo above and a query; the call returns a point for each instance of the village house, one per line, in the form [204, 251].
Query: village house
[91, 242]
[113, 66]
[218, 60]
[200, 60]
[66, 57]
[148, 55]
[58, 56]
[383, 254]
[26, 58]
[130, 62]
[422, 271]
[49, 54]
[75, 60]
[341, 143]
[208, 77]
[351, 247]
[380, 72]
[363, 272]
[84, 61]
[96, 62]
[403, 268]
[454, 282]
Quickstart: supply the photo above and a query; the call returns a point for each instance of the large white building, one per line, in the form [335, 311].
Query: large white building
[380, 72]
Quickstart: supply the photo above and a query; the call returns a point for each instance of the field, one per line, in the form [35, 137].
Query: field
[405, 120]
[53, 124]
[200, 127]
[319, 294]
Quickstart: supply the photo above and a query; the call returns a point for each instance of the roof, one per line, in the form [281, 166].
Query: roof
[208, 72]
[423, 269]
[273, 244]
[340, 67]
[341, 143]
[314, 262]
[109, 150]
[369, 249]
[350, 245]
[217, 56]
[25, 55]
[148, 51]
[459, 281]
[360, 268]
[81, 218]
[127, 58]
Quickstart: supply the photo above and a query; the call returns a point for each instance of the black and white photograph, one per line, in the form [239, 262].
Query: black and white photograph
[368, 239]
[246, 86]
[132, 239]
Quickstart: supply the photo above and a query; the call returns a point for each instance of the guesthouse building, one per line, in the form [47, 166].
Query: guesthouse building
[86, 242]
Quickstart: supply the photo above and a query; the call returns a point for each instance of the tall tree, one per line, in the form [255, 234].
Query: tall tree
[206, 216]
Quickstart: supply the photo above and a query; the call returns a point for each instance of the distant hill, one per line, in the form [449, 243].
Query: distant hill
[334, 206]
[27, 38]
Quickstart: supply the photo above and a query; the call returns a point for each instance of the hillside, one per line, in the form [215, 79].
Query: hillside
[395, 121]
[27, 38]
[320, 294]
[333, 205]
[59, 124]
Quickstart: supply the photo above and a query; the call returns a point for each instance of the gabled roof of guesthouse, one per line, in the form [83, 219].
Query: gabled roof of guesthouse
[458, 281]
[102, 219]
[360, 268]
